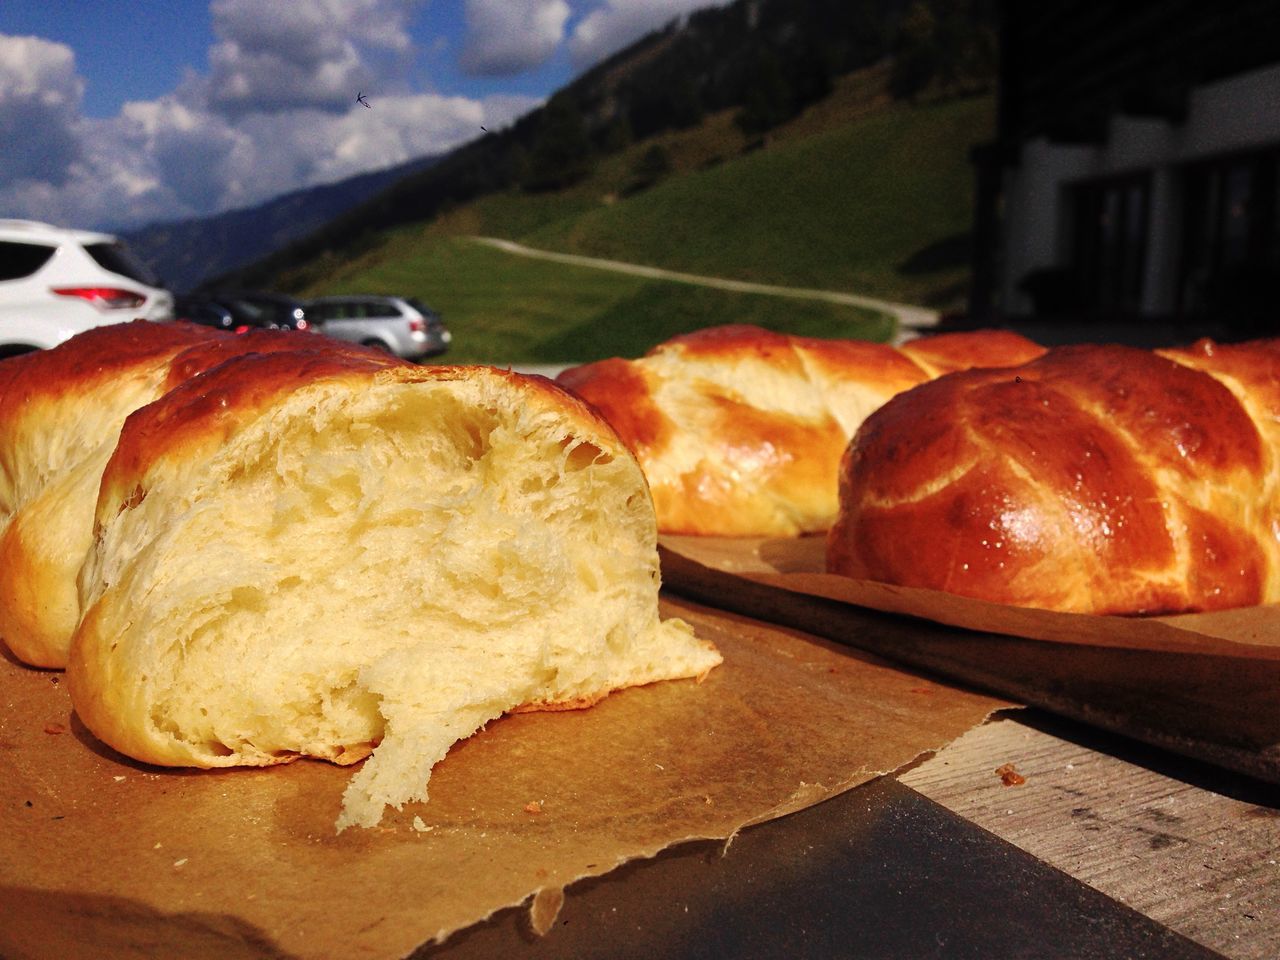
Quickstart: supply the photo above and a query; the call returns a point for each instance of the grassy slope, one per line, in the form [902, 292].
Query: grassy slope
[857, 194]
[505, 309]
[851, 208]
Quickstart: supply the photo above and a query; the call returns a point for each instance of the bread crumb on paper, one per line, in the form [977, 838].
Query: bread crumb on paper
[533, 806]
[420, 826]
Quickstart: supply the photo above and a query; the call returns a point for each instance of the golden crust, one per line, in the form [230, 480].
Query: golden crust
[740, 430]
[202, 412]
[90, 359]
[976, 348]
[1100, 479]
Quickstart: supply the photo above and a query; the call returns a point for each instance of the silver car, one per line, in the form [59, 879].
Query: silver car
[404, 326]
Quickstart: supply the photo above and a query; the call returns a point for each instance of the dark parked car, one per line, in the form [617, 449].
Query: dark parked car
[202, 310]
[274, 311]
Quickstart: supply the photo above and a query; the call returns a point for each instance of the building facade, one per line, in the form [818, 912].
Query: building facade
[1135, 175]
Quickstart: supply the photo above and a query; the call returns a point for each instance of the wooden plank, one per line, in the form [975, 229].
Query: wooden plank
[1200, 855]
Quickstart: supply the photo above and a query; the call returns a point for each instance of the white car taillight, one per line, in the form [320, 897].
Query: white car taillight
[104, 298]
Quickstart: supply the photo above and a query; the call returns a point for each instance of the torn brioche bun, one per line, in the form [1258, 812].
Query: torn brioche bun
[61, 411]
[323, 556]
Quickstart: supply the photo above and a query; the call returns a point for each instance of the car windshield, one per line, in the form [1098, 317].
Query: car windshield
[117, 258]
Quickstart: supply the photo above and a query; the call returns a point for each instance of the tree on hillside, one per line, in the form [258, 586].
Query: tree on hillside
[664, 97]
[946, 47]
[768, 100]
[561, 154]
[616, 134]
[653, 165]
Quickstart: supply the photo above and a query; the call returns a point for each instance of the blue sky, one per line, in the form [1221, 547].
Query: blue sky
[121, 112]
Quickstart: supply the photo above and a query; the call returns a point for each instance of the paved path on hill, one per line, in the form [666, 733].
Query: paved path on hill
[909, 317]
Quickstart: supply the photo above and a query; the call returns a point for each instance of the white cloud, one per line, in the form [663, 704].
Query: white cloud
[615, 23]
[274, 55]
[40, 95]
[311, 147]
[505, 37]
[274, 112]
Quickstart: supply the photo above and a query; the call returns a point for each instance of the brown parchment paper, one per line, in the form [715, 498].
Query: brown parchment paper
[103, 857]
[1207, 685]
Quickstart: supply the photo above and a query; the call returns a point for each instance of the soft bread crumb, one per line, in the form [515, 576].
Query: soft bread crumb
[382, 568]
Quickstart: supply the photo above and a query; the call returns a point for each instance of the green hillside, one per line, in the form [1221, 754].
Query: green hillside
[860, 208]
[507, 309]
[860, 194]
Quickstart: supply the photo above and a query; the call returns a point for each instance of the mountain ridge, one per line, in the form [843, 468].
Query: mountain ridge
[189, 252]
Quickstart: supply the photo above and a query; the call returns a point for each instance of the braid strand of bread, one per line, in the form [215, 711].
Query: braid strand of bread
[1097, 479]
[740, 431]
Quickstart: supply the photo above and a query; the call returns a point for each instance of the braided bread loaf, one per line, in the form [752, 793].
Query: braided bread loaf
[1097, 479]
[60, 413]
[319, 555]
[740, 431]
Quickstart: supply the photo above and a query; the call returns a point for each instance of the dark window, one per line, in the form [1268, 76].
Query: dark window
[208, 314]
[271, 312]
[250, 311]
[380, 308]
[1231, 240]
[1109, 243]
[18, 260]
[342, 310]
[118, 259]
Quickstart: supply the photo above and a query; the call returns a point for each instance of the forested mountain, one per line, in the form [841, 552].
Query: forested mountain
[765, 59]
[186, 252]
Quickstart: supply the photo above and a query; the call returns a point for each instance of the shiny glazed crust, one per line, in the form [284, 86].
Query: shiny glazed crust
[740, 430]
[1098, 479]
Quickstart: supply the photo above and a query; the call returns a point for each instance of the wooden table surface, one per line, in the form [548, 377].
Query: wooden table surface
[1192, 847]
[1189, 845]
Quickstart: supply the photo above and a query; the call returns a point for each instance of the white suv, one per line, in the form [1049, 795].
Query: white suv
[55, 283]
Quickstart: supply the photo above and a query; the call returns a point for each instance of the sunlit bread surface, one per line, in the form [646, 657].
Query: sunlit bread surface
[60, 414]
[1098, 479]
[740, 430]
[328, 557]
